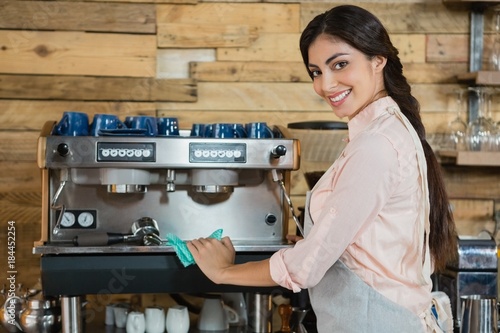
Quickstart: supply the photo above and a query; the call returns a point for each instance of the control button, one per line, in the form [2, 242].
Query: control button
[63, 149]
[271, 219]
[146, 153]
[206, 153]
[221, 153]
[122, 152]
[137, 152]
[114, 152]
[105, 152]
[213, 153]
[229, 153]
[197, 153]
[278, 151]
[130, 152]
[237, 153]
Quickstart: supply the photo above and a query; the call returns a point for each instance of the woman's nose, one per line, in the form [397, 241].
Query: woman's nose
[329, 82]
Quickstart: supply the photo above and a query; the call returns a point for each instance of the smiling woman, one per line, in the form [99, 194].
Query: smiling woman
[372, 235]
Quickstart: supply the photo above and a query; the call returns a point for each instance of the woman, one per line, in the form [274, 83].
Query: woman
[372, 238]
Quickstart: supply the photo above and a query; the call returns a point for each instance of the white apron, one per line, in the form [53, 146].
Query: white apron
[344, 303]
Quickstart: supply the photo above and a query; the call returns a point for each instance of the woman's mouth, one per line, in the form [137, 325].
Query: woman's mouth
[340, 96]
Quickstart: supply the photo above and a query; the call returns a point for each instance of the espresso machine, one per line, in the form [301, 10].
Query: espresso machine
[473, 272]
[109, 202]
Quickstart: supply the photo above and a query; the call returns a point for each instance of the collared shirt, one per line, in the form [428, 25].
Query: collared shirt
[366, 210]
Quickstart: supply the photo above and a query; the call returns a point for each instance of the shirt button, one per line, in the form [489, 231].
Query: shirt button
[333, 211]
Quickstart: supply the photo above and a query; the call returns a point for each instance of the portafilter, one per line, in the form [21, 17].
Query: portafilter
[141, 229]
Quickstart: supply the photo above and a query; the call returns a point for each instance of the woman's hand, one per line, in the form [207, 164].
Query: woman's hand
[294, 238]
[213, 256]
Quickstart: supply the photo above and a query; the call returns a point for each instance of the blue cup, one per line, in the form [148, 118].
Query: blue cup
[208, 131]
[239, 130]
[223, 131]
[168, 126]
[105, 122]
[259, 130]
[145, 123]
[72, 124]
[197, 130]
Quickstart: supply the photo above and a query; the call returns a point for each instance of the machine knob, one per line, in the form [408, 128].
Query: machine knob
[271, 219]
[278, 151]
[63, 149]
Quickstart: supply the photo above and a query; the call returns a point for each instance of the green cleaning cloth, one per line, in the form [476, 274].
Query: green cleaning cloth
[181, 249]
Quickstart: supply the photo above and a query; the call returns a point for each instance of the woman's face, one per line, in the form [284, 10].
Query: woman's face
[344, 76]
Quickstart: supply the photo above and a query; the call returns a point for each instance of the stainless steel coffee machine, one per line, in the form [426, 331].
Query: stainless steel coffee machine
[102, 194]
[474, 272]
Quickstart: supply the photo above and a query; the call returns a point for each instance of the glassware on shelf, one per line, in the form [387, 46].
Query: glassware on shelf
[454, 136]
[495, 50]
[479, 135]
[495, 142]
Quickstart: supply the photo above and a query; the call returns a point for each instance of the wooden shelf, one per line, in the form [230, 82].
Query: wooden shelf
[470, 158]
[487, 78]
[473, 3]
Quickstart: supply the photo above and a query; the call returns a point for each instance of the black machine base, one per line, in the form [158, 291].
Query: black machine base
[132, 274]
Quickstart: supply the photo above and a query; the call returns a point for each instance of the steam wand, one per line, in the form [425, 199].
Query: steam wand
[278, 178]
[64, 178]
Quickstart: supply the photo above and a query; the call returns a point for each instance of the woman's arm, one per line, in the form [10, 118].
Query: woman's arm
[216, 260]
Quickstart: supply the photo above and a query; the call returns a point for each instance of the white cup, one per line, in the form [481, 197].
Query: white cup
[215, 316]
[136, 322]
[237, 302]
[155, 319]
[110, 315]
[120, 311]
[177, 319]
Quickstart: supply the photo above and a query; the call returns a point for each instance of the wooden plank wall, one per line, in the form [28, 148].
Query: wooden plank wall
[201, 61]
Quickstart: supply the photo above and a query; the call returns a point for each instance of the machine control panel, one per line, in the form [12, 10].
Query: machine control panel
[217, 152]
[126, 152]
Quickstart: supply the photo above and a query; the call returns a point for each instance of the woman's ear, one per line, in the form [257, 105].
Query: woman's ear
[379, 63]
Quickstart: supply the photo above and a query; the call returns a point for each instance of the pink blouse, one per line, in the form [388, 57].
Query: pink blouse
[365, 211]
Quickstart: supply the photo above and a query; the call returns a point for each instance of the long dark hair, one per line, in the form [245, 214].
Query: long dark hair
[363, 31]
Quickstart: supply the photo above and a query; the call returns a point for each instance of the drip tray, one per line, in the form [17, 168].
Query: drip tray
[67, 248]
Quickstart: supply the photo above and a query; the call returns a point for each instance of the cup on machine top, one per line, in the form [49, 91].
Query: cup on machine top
[72, 124]
[146, 123]
[105, 122]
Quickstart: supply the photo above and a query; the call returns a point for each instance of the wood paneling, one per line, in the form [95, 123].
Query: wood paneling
[247, 96]
[472, 182]
[268, 47]
[249, 71]
[186, 35]
[20, 176]
[18, 146]
[77, 53]
[88, 88]
[407, 17]
[267, 18]
[77, 16]
[25, 115]
[446, 48]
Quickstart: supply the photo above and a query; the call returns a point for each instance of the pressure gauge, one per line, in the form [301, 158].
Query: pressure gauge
[85, 219]
[68, 219]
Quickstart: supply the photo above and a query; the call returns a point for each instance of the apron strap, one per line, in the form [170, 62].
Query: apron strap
[424, 223]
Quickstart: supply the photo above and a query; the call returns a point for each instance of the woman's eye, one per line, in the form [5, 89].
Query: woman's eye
[340, 65]
[315, 73]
